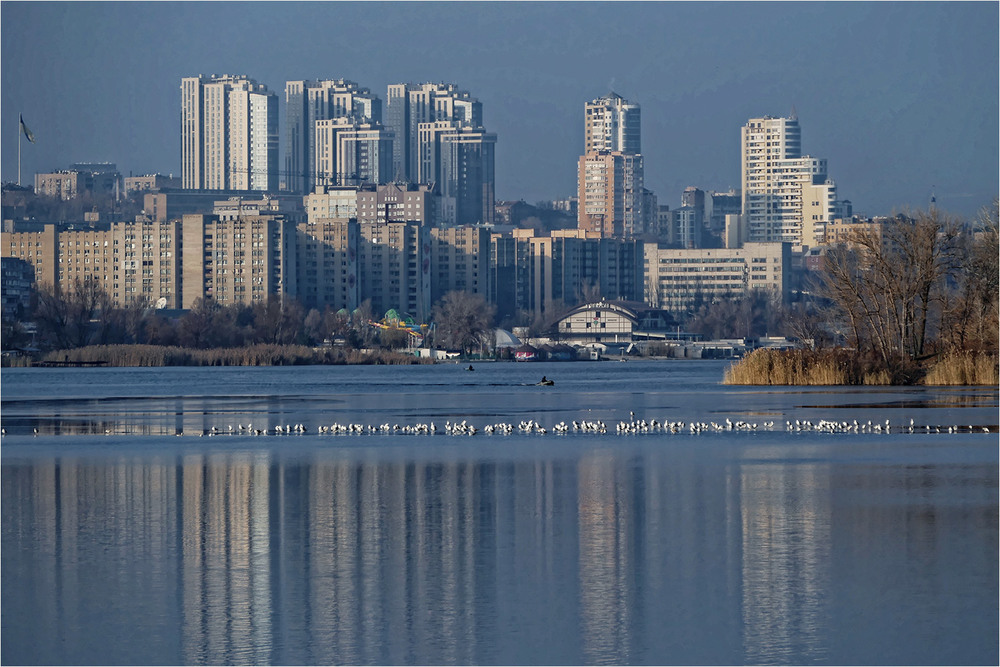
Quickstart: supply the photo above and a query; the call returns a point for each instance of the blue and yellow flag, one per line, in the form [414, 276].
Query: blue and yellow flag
[27, 132]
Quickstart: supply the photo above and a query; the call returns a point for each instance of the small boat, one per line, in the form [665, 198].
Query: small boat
[545, 382]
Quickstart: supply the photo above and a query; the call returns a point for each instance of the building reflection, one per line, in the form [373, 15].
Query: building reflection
[225, 559]
[607, 559]
[785, 514]
[349, 557]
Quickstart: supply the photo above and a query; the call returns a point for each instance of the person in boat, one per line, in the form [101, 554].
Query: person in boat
[470, 368]
[545, 381]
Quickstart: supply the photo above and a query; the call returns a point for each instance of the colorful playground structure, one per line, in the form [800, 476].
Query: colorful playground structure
[394, 321]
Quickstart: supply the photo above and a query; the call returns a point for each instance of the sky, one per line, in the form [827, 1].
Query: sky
[900, 98]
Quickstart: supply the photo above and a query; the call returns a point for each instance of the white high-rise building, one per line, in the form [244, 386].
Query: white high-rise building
[229, 134]
[612, 123]
[786, 195]
[349, 152]
[306, 103]
[408, 106]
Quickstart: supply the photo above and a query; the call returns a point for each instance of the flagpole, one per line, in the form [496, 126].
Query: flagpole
[19, 150]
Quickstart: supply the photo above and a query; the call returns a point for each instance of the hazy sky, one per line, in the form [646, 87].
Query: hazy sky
[900, 98]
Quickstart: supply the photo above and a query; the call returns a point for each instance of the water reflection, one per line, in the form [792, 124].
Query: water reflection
[785, 515]
[610, 556]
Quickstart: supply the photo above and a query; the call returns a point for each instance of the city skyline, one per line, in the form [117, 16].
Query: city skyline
[900, 115]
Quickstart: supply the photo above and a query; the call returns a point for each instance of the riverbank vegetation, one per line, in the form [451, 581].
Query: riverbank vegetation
[906, 300]
[85, 325]
[913, 300]
[845, 367]
[251, 355]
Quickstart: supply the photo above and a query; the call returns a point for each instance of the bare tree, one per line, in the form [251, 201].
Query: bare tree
[277, 320]
[888, 283]
[361, 323]
[971, 315]
[463, 320]
[67, 319]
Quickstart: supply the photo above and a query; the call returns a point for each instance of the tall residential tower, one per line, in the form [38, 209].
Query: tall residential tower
[309, 101]
[612, 123]
[786, 195]
[229, 134]
[610, 180]
[409, 105]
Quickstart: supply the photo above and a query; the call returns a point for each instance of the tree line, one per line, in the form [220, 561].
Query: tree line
[910, 288]
[86, 315]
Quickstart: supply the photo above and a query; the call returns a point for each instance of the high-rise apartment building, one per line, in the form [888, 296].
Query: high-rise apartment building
[786, 195]
[307, 102]
[409, 105]
[237, 261]
[611, 194]
[229, 134]
[461, 160]
[610, 180]
[392, 202]
[545, 274]
[351, 152]
[135, 262]
[612, 123]
[327, 265]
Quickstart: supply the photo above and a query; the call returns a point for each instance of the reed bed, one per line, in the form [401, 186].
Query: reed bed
[964, 368]
[789, 367]
[253, 355]
[844, 367]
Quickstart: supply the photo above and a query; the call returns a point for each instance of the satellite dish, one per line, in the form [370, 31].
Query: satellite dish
[161, 303]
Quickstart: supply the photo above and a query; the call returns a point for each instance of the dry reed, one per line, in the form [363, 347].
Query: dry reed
[844, 367]
[964, 368]
[253, 355]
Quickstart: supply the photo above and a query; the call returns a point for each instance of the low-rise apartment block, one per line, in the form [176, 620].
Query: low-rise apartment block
[678, 278]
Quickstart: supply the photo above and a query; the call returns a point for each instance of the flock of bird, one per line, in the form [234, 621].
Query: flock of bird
[632, 426]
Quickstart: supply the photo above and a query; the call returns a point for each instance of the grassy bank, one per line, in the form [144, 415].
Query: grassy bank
[843, 367]
[254, 355]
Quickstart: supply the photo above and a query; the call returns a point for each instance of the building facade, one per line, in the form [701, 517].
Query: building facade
[544, 274]
[135, 262]
[610, 194]
[150, 182]
[350, 152]
[787, 196]
[229, 134]
[612, 123]
[93, 179]
[307, 102]
[410, 105]
[237, 261]
[328, 263]
[676, 279]
[17, 277]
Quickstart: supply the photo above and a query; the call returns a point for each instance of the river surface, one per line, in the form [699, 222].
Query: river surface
[142, 525]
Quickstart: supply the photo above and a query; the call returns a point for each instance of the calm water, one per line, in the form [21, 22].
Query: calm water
[129, 539]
